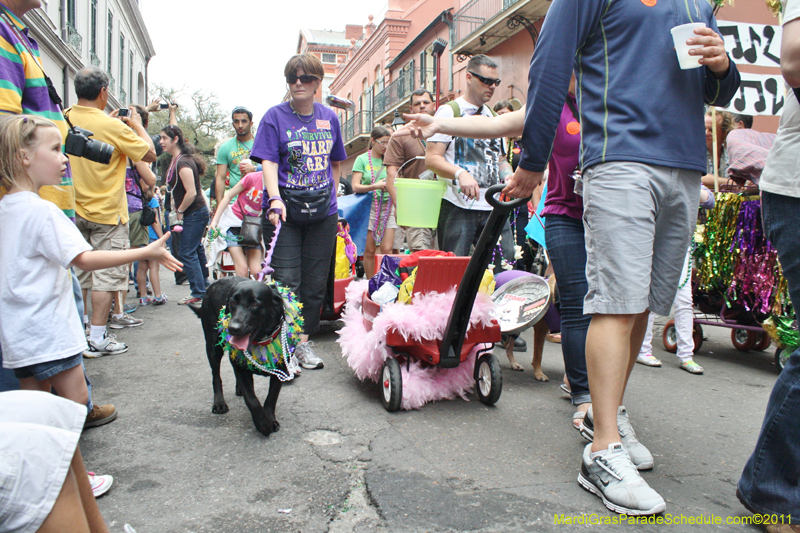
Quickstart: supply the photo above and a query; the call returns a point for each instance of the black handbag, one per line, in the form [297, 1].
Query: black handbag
[250, 232]
[304, 206]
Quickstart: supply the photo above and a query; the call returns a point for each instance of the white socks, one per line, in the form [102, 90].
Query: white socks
[97, 333]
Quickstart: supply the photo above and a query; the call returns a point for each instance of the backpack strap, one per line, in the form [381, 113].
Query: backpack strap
[455, 107]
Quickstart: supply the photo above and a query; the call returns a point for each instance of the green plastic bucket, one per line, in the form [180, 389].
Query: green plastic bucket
[418, 202]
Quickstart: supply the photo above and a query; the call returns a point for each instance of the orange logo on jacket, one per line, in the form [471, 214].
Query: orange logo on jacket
[573, 128]
[649, 3]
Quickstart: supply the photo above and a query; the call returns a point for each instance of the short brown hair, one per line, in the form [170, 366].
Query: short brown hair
[308, 62]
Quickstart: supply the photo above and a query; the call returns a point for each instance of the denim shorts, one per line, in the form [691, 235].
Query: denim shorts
[48, 369]
[234, 232]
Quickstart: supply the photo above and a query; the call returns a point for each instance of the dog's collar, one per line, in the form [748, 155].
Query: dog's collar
[274, 335]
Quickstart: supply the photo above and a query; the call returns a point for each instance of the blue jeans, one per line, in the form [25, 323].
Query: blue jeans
[567, 250]
[193, 255]
[770, 482]
[302, 262]
[461, 229]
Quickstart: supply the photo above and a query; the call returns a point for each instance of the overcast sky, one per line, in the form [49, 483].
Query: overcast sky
[237, 48]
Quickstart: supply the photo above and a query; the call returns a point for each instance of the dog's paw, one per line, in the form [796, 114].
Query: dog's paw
[238, 390]
[538, 375]
[517, 367]
[219, 408]
[276, 426]
[265, 427]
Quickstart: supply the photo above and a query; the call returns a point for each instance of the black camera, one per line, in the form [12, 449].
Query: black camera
[79, 144]
[123, 112]
[165, 105]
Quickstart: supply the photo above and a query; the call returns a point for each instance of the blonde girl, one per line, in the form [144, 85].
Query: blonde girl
[40, 331]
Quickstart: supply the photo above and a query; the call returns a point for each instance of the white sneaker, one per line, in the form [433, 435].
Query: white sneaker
[615, 479]
[109, 346]
[306, 356]
[100, 484]
[648, 360]
[639, 454]
[125, 321]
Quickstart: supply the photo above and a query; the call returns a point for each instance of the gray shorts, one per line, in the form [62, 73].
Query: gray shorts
[638, 222]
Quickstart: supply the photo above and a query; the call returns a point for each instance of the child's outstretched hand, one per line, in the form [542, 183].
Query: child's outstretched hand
[158, 250]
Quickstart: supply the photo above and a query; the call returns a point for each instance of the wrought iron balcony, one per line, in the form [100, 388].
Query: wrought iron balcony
[95, 59]
[74, 39]
[112, 83]
[123, 96]
[483, 24]
[394, 95]
[356, 130]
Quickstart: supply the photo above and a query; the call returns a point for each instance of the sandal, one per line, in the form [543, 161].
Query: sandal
[564, 388]
[577, 419]
[554, 337]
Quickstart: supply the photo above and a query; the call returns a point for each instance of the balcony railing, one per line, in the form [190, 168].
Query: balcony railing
[74, 38]
[358, 124]
[398, 91]
[95, 59]
[475, 14]
[112, 83]
[123, 96]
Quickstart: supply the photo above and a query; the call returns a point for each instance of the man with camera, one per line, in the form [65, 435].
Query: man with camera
[98, 168]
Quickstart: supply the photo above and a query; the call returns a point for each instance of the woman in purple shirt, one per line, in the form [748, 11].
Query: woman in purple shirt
[299, 144]
[563, 224]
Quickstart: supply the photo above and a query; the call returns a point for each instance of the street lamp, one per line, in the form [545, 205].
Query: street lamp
[398, 120]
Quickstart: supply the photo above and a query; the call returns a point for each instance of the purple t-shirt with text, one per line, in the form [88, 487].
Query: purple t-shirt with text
[303, 150]
[561, 198]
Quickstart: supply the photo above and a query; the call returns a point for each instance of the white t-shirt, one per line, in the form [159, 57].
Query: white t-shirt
[38, 318]
[782, 172]
[480, 157]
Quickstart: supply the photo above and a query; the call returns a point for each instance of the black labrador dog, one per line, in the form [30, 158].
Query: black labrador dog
[256, 312]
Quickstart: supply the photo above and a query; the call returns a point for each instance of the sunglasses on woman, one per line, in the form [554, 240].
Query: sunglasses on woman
[486, 81]
[304, 78]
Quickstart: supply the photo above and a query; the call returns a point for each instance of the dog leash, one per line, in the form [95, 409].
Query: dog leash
[266, 269]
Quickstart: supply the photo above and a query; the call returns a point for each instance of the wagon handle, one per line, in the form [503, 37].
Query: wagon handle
[500, 204]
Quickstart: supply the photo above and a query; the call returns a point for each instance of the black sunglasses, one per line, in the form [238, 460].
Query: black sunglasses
[486, 81]
[291, 79]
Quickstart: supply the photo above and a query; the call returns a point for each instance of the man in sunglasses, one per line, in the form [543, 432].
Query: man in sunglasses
[470, 165]
[233, 156]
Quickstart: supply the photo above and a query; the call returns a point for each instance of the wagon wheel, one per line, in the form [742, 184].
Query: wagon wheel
[670, 337]
[762, 341]
[781, 358]
[391, 385]
[697, 336]
[743, 339]
[490, 379]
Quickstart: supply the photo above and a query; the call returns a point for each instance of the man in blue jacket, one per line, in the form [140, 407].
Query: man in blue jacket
[643, 153]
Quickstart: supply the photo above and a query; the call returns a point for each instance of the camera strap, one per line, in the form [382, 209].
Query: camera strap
[51, 90]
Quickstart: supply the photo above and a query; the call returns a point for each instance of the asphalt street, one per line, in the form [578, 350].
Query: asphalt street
[341, 463]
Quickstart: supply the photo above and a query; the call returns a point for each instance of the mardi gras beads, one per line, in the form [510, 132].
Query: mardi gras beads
[717, 261]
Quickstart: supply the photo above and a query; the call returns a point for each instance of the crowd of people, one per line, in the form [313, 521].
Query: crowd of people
[78, 224]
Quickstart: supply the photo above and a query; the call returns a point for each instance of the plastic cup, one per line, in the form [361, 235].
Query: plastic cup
[680, 34]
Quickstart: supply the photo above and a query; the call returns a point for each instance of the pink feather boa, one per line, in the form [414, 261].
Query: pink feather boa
[425, 318]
